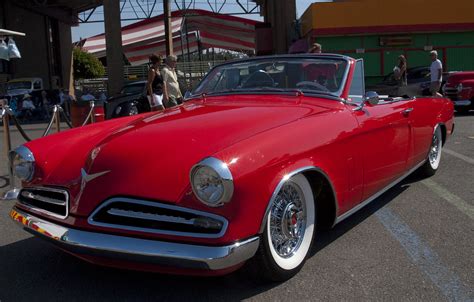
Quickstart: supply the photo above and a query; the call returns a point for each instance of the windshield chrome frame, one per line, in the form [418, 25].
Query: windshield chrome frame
[337, 94]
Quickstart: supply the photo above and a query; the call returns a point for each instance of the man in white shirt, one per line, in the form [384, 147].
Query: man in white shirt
[27, 102]
[436, 74]
[171, 93]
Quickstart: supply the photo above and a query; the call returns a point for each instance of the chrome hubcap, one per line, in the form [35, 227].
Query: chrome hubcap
[435, 148]
[288, 220]
[133, 110]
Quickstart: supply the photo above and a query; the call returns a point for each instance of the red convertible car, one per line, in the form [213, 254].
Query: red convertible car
[266, 152]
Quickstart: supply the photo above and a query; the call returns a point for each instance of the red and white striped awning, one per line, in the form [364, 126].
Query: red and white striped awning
[209, 29]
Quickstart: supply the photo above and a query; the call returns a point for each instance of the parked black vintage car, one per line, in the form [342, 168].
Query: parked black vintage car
[418, 78]
[131, 100]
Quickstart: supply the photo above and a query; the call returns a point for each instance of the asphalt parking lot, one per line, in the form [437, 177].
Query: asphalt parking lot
[414, 243]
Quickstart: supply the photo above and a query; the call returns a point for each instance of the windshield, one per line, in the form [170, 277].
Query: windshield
[18, 85]
[309, 75]
[133, 88]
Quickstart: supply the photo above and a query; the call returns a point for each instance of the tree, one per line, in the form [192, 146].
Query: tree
[86, 66]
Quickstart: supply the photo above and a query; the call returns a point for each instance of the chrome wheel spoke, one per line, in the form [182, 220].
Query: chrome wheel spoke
[435, 149]
[288, 220]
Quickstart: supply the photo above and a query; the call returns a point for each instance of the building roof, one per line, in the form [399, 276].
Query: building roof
[352, 17]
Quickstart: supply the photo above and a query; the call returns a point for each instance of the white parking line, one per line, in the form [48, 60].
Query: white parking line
[424, 257]
[456, 201]
[458, 155]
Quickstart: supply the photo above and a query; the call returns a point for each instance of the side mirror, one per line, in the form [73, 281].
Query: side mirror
[371, 98]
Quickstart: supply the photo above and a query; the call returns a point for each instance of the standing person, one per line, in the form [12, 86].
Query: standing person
[315, 48]
[45, 103]
[171, 93]
[436, 74]
[155, 83]
[400, 73]
[27, 108]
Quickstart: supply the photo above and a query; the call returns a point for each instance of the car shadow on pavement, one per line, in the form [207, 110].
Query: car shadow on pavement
[326, 237]
[469, 113]
[32, 269]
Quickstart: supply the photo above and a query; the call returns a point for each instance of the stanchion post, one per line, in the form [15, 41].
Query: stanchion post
[7, 143]
[57, 118]
[92, 103]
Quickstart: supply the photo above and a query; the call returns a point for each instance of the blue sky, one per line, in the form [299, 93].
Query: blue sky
[91, 29]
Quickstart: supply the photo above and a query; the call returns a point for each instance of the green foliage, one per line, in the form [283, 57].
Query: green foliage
[86, 66]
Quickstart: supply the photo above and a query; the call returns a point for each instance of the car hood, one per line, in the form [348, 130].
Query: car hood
[459, 77]
[150, 156]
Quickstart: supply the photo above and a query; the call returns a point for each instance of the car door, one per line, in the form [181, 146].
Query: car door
[422, 119]
[384, 137]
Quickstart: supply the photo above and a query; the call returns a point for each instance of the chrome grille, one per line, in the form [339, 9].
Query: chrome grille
[451, 93]
[159, 218]
[50, 201]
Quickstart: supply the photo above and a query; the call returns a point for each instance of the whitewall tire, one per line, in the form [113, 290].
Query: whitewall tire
[434, 154]
[289, 231]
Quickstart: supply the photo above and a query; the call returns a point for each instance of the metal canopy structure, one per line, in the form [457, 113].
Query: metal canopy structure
[56, 8]
[134, 10]
[192, 30]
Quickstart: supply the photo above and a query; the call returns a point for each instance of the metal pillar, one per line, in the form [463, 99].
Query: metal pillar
[8, 146]
[168, 33]
[281, 15]
[114, 51]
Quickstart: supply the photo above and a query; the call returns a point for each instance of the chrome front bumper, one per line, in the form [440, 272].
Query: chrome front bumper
[462, 103]
[168, 254]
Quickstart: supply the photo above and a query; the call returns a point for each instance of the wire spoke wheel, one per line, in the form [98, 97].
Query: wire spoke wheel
[435, 149]
[290, 225]
[288, 220]
[431, 164]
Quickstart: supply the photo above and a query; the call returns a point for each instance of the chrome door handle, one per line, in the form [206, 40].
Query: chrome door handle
[407, 111]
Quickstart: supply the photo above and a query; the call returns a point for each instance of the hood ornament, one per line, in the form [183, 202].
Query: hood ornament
[85, 178]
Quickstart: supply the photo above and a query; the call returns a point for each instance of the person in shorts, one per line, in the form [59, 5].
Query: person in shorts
[436, 71]
[155, 83]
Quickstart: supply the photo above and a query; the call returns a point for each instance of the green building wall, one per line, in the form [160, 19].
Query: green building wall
[455, 49]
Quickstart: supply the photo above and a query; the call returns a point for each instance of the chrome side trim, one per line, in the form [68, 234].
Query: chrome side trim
[179, 255]
[373, 197]
[282, 182]
[224, 221]
[42, 211]
[43, 199]
[149, 216]
[11, 194]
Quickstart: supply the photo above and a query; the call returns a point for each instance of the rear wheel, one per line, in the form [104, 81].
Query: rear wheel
[431, 165]
[289, 231]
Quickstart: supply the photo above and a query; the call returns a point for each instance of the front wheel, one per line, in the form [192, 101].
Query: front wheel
[431, 165]
[132, 110]
[288, 232]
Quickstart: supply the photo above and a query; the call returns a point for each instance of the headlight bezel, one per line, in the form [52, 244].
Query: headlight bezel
[225, 176]
[23, 155]
[459, 87]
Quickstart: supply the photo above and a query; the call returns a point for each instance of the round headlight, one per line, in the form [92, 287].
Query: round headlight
[212, 182]
[459, 87]
[23, 163]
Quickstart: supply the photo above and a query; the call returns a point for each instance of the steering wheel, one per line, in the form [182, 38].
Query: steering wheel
[310, 85]
[258, 78]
